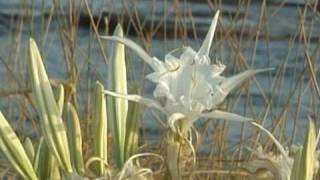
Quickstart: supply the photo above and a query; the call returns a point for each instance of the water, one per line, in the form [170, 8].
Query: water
[280, 25]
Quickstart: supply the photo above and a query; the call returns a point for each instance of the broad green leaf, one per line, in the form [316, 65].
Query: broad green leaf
[133, 123]
[59, 96]
[296, 164]
[28, 146]
[308, 156]
[51, 123]
[45, 164]
[101, 134]
[118, 108]
[74, 138]
[14, 151]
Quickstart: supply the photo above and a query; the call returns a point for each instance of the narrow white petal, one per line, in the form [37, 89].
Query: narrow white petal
[172, 63]
[137, 98]
[231, 82]
[205, 47]
[188, 56]
[217, 69]
[153, 62]
[275, 141]
[225, 115]
[154, 77]
[162, 90]
[173, 118]
[178, 50]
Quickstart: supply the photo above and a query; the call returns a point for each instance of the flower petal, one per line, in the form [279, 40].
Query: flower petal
[225, 115]
[231, 82]
[155, 76]
[217, 69]
[188, 56]
[137, 98]
[205, 47]
[275, 141]
[172, 63]
[173, 118]
[153, 62]
[162, 90]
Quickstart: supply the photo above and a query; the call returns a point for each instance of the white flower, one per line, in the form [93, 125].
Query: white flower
[283, 166]
[274, 166]
[279, 166]
[191, 85]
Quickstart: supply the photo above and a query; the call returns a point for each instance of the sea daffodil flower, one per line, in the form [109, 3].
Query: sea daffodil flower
[302, 164]
[191, 85]
[275, 166]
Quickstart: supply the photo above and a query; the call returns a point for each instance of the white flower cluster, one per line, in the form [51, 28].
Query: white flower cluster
[191, 85]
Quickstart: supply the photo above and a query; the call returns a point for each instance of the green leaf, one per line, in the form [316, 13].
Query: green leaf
[133, 123]
[296, 164]
[59, 96]
[101, 133]
[51, 123]
[14, 151]
[118, 108]
[45, 164]
[74, 138]
[28, 146]
[308, 156]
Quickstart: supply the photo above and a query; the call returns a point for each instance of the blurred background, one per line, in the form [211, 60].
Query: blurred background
[250, 34]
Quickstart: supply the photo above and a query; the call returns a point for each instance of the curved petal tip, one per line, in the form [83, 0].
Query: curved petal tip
[205, 47]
